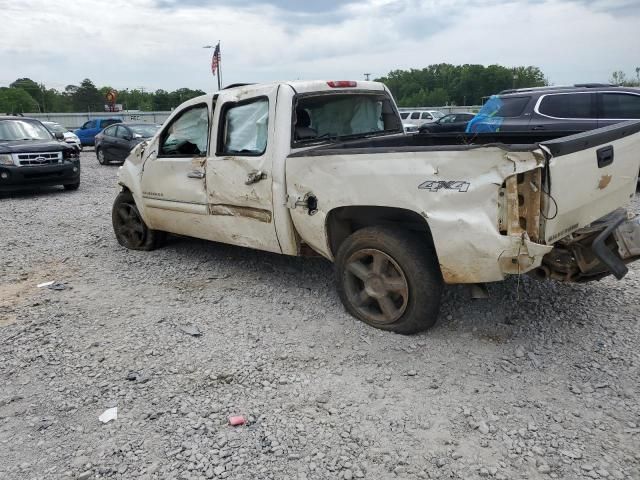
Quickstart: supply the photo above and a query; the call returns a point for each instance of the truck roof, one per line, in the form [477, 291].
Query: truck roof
[300, 86]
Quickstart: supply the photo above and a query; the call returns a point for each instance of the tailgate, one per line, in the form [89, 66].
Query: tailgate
[588, 176]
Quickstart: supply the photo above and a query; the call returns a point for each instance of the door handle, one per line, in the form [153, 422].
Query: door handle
[605, 156]
[255, 177]
[538, 127]
[195, 174]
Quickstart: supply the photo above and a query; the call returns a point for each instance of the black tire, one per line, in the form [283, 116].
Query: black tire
[71, 186]
[402, 274]
[101, 158]
[129, 227]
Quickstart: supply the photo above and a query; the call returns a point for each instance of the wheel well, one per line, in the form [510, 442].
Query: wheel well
[344, 221]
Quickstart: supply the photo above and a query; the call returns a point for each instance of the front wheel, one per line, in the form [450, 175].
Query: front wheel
[71, 186]
[389, 279]
[129, 227]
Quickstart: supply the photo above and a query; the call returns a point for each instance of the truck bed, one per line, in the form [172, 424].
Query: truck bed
[559, 143]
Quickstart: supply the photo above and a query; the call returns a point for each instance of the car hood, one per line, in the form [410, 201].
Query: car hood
[28, 146]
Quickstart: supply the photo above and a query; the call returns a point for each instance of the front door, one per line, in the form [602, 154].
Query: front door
[239, 174]
[173, 178]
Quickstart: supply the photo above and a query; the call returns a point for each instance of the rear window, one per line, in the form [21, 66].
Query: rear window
[620, 105]
[568, 105]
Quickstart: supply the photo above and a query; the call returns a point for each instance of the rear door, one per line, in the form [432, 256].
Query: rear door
[121, 142]
[589, 175]
[565, 112]
[614, 107]
[239, 173]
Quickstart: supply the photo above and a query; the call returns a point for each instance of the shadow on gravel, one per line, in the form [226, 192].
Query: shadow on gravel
[32, 191]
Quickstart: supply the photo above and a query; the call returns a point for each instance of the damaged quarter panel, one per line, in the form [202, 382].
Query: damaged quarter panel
[457, 192]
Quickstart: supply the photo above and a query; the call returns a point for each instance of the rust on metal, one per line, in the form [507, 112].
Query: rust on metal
[237, 211]
[604, 182]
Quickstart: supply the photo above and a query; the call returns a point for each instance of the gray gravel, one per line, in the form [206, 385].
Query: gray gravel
[539, 381]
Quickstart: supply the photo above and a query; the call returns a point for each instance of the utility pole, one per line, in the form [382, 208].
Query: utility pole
[366, 76]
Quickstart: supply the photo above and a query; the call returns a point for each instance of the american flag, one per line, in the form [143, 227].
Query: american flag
[215, 60]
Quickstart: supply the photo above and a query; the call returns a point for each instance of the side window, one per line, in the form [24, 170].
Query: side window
[106, 123]
[187, 134]
[570, 105]
[512, 106]
[122, 132]
[111, 131]
[620, 105]
[404, 115]
[415, 115]
[426, 116]
[89, 124]
[244, 128]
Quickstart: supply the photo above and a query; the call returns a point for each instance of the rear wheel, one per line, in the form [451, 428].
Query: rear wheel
[129, 227]
[389, 279]
[72, 186]
[101, 158]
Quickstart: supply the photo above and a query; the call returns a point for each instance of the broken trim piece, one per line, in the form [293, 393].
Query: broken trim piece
[236, 211]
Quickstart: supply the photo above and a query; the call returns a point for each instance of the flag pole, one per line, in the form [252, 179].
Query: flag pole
[219, 62]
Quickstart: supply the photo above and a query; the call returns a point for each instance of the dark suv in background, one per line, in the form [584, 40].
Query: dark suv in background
[568, 110]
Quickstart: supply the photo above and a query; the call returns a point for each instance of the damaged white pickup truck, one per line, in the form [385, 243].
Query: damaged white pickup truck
[324, 167]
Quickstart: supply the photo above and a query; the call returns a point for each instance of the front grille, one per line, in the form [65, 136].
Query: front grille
[38, 159]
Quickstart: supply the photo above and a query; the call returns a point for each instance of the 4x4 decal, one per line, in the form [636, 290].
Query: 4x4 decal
[437, 185]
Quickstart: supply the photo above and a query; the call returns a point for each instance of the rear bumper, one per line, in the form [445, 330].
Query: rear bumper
[16, 178]
[599, 250]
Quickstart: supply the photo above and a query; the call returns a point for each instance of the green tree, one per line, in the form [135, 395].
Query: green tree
[33, 89]
[86, 97]
[16, 100]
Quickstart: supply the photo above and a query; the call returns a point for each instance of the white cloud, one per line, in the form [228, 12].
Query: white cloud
[132, 43]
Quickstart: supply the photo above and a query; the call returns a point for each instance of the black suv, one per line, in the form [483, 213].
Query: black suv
[31, 156]
[557, 109]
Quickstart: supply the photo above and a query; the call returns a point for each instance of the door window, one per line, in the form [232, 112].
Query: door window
[89, 124]
[106, 123]
[569, 105]
[122, 132]
[110, 132]
[404, 115]
[187, 134]
[245, 128]
[620, 105]
[426, 116]
[415, 115]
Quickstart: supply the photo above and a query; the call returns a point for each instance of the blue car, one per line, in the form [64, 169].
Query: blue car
[87, 132]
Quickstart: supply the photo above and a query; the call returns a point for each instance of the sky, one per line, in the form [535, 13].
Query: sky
[159, 43]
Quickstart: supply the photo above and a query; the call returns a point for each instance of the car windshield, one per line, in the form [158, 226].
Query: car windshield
[55, 128]
[11, 130]
[343, 115]
[144, 131]
[437, 115]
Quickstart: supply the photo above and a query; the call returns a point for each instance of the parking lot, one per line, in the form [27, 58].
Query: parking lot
[541, 380]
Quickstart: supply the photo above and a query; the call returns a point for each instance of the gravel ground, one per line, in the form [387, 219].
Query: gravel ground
[539, 381]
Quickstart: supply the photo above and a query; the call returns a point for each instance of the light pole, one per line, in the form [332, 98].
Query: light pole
[366, 76]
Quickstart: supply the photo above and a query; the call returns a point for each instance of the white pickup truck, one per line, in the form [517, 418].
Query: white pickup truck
[316, 166]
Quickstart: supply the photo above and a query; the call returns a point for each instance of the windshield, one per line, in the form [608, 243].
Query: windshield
[336, 116]
[55, 128]
[145, 131]
[437, 115]
[22, 130]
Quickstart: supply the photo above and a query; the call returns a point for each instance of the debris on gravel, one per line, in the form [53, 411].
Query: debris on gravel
[541, 380]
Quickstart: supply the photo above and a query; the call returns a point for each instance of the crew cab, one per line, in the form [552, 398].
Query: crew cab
[324, 167]
[30, 155]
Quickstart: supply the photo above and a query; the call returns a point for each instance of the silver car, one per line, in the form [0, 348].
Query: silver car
[69, 137]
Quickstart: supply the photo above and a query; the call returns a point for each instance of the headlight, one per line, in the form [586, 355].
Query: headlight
[6, 159]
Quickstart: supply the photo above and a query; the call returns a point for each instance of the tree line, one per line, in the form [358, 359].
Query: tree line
[436, 85]
[27, 96]
[445, 84]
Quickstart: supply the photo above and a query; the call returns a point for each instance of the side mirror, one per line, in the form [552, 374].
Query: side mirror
[59, 136]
